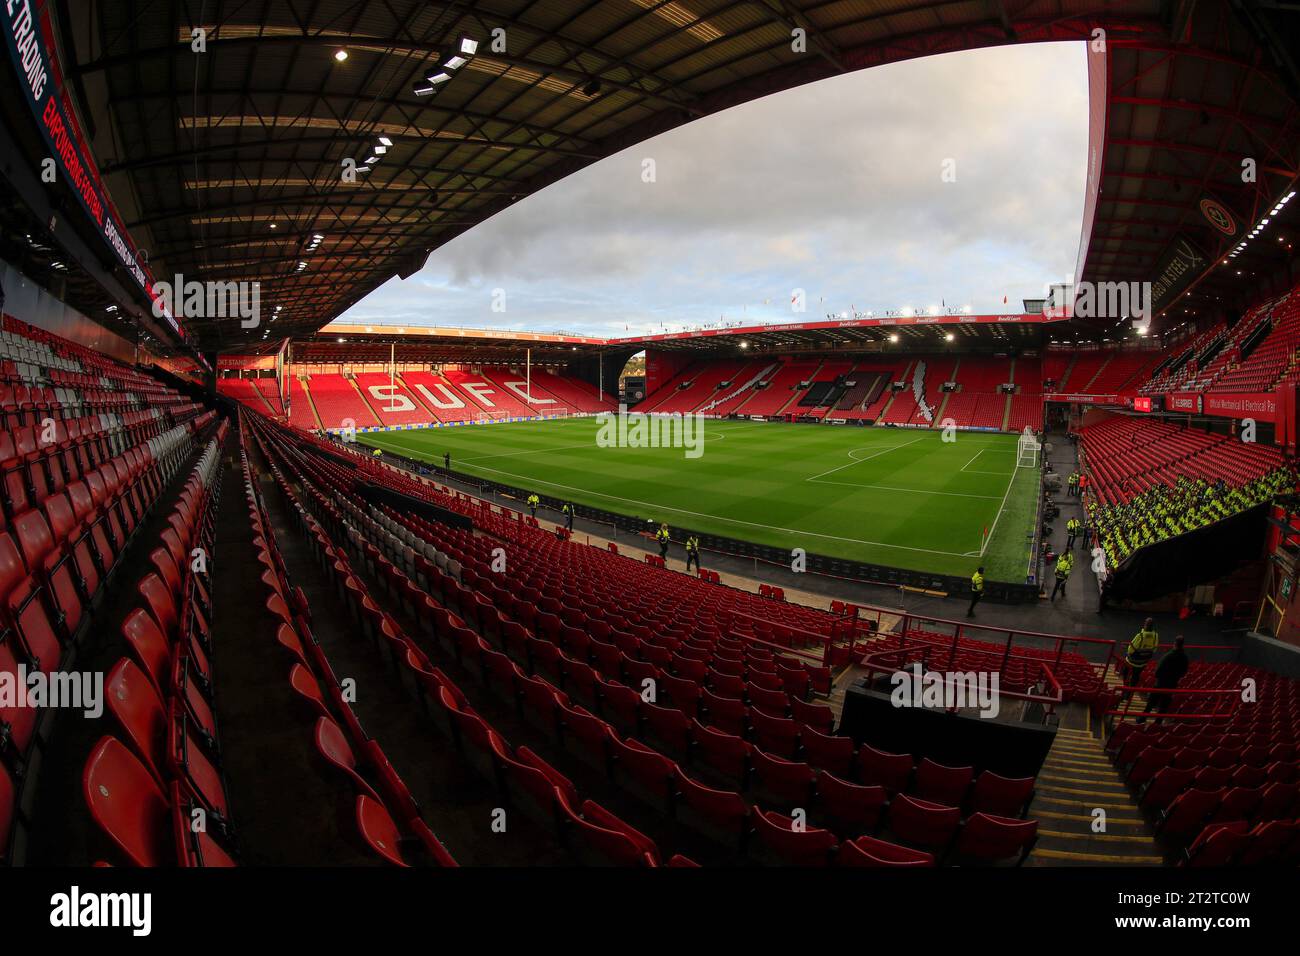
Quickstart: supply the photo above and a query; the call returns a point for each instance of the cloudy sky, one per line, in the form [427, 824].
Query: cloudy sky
[836, 188]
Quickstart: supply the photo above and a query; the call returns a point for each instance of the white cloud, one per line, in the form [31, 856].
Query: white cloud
[835, 188]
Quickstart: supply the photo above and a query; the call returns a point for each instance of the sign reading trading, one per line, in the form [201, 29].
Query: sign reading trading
[29, 41]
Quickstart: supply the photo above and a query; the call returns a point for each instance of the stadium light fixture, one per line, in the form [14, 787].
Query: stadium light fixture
[385, 141]
[340, 55]
[468, 47]
[949, 337]
[455, 62]
[893, 337]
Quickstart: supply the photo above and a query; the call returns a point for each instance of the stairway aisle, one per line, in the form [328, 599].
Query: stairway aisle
[458, 803]
[1076, 781]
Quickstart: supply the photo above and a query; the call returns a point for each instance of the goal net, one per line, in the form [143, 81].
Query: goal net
[553, 411]
[497, 415]
[1028, 449]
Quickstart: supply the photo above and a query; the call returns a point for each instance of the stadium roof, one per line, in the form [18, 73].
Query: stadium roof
[227, 163]
[1202, 142]
[340, 341]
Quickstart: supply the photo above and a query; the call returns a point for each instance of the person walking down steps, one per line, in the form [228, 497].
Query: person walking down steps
[533, 502]
[662, 537]
[568, 516]
[1140, 651]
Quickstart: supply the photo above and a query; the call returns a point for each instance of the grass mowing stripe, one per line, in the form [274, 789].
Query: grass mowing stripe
[911, 506]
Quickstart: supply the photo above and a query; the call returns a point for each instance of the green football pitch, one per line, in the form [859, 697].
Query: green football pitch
[898, 497]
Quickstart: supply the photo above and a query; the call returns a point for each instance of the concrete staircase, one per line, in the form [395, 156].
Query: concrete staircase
[1076, 781]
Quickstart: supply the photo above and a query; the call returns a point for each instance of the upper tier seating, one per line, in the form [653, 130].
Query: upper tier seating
[300, 406]
[1026, 412]
[489, 393]
[782, 388]
[1229, 353]
[268, 390]
[1273, 359]
[530, 396]
[1124, 370]
[1082, 371]
[1182, 362]
[391, 402]
[694, 387]
[440, 397]
[338, 403]
[577, 395]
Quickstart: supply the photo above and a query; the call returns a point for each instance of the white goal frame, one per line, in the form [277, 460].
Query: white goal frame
[553, 411]
[1028, 448]
[500, 415]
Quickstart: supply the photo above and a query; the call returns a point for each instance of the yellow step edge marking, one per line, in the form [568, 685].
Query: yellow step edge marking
[1079, 762]
[1089, 835]
[1096, 857]
[1078, 758]
[1111, 819]
[1088, 770]
[1083, 755]
[1050, 778]
[1081, 804]
[1080, 769]
[1078, 774]
[1103, 787]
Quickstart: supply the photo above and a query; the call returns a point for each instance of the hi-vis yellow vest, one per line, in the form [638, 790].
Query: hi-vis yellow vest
[1142, 648]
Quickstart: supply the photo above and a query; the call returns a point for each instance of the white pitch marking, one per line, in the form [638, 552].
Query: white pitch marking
[916, 491]
[699, 514]
[867, 458]
[996, 517]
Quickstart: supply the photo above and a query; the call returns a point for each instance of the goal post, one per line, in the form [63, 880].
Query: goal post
[1028, 448]
[496, 415]
[553, 411]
